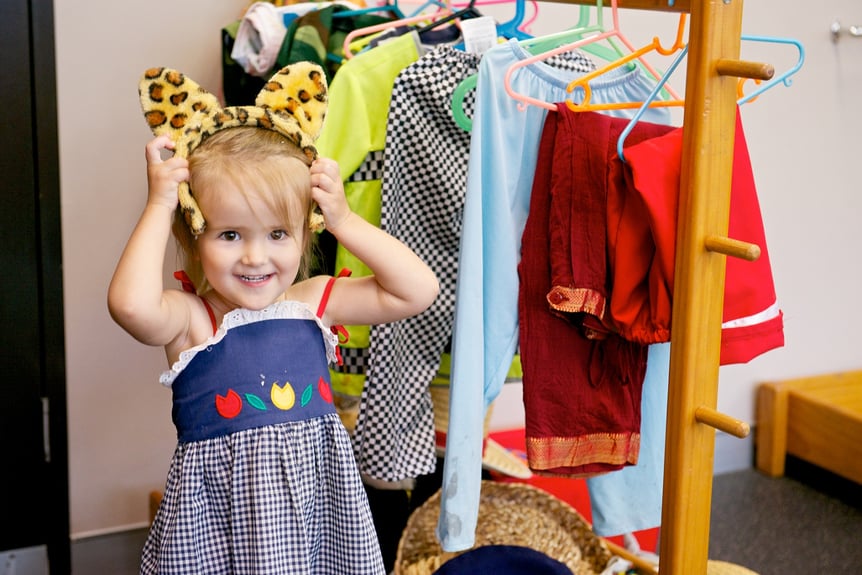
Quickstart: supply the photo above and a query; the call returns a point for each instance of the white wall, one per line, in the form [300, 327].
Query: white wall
[120, 434]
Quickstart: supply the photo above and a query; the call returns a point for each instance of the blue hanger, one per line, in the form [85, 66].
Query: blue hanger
[649, 99]
[540, 44]
[393, 8]
[428, 4]
[510, 29]
[581, 29]
[782, 79]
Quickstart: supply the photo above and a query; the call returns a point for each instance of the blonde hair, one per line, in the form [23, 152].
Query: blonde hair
[254, 160]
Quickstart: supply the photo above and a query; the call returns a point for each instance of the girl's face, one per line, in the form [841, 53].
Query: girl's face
[248, 255]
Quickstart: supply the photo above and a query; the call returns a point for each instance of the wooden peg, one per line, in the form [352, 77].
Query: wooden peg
[722, 422]
[733, 248]
[744, 69]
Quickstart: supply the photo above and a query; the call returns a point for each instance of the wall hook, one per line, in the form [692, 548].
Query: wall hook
[835, 30]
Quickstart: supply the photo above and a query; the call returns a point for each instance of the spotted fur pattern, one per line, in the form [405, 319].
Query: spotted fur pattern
[293, 103]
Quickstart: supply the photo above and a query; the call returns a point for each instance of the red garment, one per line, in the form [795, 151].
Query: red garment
[642, 242]
[587, 179]
[581, 396]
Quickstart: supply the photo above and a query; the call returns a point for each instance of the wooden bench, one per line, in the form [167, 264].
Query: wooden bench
[817, 419]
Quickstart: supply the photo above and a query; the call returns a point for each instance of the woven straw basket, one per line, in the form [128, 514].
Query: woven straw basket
[509, 514]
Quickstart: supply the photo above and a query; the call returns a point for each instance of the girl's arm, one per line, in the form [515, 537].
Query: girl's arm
[136, 298]
[402, 285]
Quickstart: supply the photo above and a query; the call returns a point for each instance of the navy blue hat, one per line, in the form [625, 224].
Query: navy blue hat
[503, 560]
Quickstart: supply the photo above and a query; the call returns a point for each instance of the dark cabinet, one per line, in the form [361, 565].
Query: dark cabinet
[34, 508]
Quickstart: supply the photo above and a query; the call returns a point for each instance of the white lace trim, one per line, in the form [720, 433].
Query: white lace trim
[240, 317]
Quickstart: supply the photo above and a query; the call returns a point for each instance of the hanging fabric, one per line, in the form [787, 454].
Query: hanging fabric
[502, 161]
[354, 135]
[752, 321]
[421, 202]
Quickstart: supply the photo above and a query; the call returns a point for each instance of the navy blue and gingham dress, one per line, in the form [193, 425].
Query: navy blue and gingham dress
[263, 479]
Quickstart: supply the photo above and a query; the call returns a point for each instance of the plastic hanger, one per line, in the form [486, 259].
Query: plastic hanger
[608, 53]
[468, 11]
[655, 46]
[541, 44]
[370, 30]
[429, 4]
[783, 78]
[615, 32]
[512, 28]
[458, 95]
[391, 8]
[509, 29]
[578, 32]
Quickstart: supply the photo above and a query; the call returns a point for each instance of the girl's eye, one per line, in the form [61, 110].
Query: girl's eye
[278, 234]
[229, 235]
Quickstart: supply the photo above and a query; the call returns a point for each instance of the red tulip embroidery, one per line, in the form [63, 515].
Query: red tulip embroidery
[230, 405]
[324, 390]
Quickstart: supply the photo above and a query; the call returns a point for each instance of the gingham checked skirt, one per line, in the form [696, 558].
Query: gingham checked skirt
[263, 481]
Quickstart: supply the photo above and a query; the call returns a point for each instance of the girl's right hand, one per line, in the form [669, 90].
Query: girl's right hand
[164, 176]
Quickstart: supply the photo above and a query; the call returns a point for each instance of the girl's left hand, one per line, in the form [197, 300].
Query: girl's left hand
[327, 190]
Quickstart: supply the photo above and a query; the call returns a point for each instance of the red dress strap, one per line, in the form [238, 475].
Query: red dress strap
[189, 287]
[338, 330]
[324, 299]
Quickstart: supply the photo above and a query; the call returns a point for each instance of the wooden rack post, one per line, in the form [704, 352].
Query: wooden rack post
[701, 249]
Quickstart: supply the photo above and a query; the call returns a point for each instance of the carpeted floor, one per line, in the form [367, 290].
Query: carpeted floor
[808, 521]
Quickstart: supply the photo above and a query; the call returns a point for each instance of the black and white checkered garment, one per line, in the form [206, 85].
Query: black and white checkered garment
[424, 183]
[371, 168]
[275, 500]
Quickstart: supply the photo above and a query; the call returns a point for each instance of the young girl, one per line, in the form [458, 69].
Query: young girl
[263, 479]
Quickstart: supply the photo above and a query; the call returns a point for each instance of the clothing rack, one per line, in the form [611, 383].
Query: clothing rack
[713, 70]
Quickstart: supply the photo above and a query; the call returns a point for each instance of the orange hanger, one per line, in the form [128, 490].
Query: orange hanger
[584, 81]
[614, 32]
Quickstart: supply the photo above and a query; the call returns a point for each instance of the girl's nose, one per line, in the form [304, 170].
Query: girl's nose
[254, 254]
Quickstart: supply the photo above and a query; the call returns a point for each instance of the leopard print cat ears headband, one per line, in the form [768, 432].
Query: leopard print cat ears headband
[293, 103]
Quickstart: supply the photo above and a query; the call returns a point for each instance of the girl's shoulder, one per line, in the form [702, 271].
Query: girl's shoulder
[201, 322]
[309, 291]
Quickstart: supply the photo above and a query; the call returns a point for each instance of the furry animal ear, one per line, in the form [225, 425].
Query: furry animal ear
[175, 105]
[298, 90]
[293, 103]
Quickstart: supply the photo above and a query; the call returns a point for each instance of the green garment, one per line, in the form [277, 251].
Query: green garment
[319, 37]
[354, 131]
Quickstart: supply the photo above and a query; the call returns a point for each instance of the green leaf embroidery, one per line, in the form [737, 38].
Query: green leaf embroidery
[255, 401]
[306, 395]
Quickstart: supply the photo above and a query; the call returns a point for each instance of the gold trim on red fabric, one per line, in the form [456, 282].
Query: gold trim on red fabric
[561, 452]
[577, 300]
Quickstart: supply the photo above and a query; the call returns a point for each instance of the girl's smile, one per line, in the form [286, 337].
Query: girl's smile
[248, 255]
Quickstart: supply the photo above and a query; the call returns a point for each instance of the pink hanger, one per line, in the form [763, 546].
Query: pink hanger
[614, 32]
[359, 32]
[655, 46]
